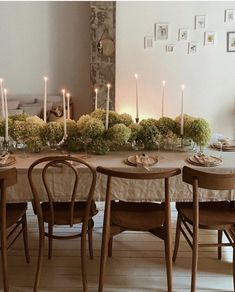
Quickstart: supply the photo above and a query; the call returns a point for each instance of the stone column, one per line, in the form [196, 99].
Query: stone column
[102, 49]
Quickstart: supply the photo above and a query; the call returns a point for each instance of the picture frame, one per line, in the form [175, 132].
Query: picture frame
[231, 41]
[200, 22]
[193, 48]
[209, 38]
[148, 42]
[170, 48]
[229, 15]
[183, 34]
[161, 31]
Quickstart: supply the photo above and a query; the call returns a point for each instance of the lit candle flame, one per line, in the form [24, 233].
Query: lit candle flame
[45, 78]
[182, 86]
[136, 76]
[96, 90]
[163, 82]
[108, 85]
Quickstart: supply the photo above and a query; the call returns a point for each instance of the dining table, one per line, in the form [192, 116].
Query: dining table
[127, 190]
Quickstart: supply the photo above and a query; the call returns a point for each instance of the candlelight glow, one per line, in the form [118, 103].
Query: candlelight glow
[136, 76]
[108, 85]
[45, 79]
[163, 82]
[63, 91]
[1, 80]
[96, 90]
[182, 86]
[68, 94]
[5, 91]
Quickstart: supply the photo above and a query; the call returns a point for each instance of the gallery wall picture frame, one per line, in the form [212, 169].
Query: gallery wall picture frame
[183, 34]
[231, 41]
[170, 48]
[148, 42]
[193, 48]
[209, 38]
[161, 31]
[200, 22]
[229, 15]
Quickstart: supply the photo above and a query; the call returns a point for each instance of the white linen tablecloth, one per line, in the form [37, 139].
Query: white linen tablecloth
[125, 189]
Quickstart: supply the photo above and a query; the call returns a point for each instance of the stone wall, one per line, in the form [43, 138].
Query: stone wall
[102, 70]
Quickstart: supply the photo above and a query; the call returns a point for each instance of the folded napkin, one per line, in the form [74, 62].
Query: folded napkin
[206, 160]
[143, 161]
[4, 157]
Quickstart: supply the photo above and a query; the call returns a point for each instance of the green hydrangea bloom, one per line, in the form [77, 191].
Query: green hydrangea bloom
[135, 132]
[90, 127]
[98, 146]
[200, 131]
[125, 119]
[118, 135]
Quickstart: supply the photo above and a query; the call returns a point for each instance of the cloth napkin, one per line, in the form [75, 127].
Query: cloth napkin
[206, 160]
[143, 161]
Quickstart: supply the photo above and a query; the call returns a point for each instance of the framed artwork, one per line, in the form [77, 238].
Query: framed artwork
[183, 34]
[161, 31]
[170, 48]
[148, 42]
[200, 21]
[231, 41]
[192, 47]
[229, 15]
[209, 38]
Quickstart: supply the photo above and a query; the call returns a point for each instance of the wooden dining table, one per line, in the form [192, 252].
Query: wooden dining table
[128, 190]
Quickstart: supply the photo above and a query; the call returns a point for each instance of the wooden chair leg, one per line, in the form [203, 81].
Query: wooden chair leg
[40, 254]
[177, 237]
[110, 247]
[194, 260]
[83, 257]
[168, 258]
[50, 240]
[4, 261]
[234, 268]
[220, 234]
[90, 238]
[25, 237]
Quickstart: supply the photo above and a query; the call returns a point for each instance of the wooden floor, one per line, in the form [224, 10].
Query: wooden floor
[137, 264]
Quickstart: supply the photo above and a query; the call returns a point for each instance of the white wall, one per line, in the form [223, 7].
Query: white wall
[209, 76]
[46, 38]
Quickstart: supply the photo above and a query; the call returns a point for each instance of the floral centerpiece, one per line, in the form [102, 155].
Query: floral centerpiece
[89, 132]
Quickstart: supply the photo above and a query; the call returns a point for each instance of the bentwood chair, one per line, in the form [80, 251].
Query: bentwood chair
[66, 171]
[217, 215]
[13, 222]
[120, 216]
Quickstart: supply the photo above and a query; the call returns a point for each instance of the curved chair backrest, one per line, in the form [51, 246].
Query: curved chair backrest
[46, 165]
[138, 176]
[209, 180]
[8, 177]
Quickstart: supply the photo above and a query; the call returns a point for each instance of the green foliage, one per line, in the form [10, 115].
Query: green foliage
[125, 119]
[89, 127]
[98, 146]
[118, 135]
[200, 131]
[166, 124]
[149, 132]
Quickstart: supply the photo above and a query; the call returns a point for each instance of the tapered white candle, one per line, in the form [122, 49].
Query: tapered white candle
[136, 97]
[68, 105]
[45, 100]
[182, 111]
[163, 96]
[64, 113]
[6, 116]
[96, 98]
[107, 108]
[2, 96]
